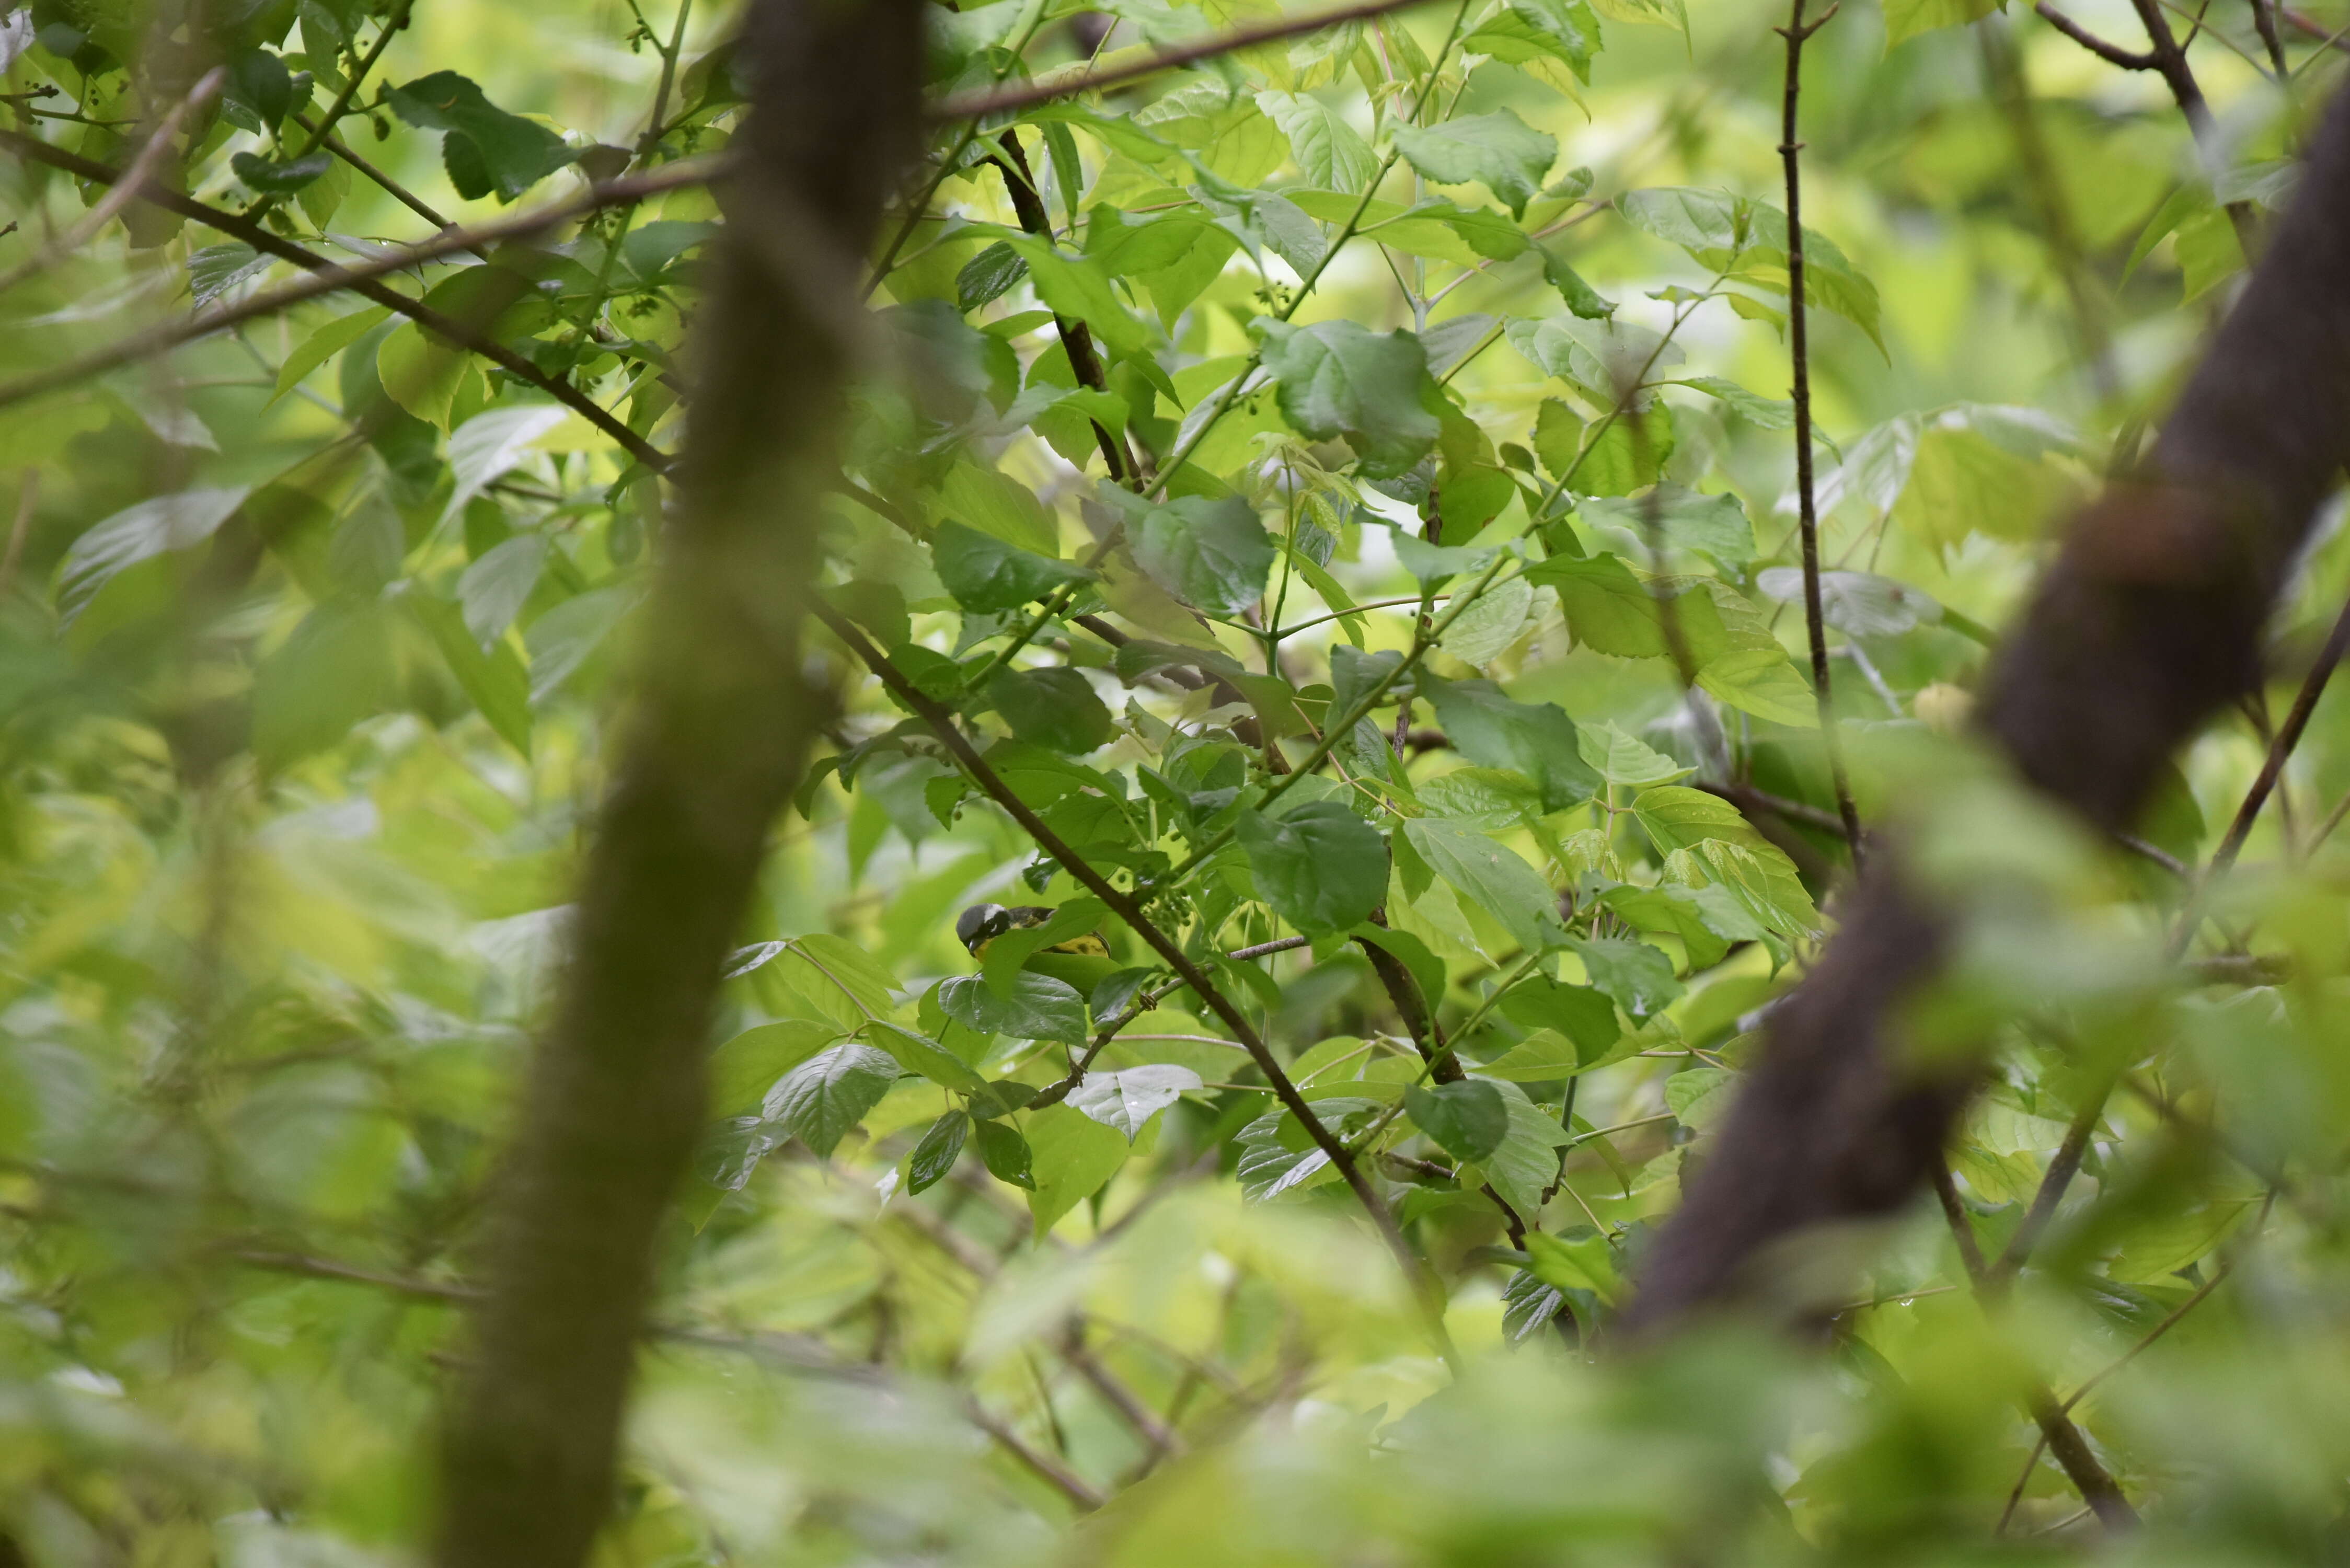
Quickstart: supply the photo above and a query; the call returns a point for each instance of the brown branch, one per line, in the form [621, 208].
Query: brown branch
[1076, 337]
[2170, 1322]
[2057, 1433]
[2170, 60]
[1059, 1476]
[716, 736]
[329, 278]
[2114, 54]
[1126, 908]
[1046, 89]
[1799, 348]
[436, 1291]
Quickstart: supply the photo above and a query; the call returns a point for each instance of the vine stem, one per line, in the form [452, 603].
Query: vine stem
[1814, 619]
[1423, 1283]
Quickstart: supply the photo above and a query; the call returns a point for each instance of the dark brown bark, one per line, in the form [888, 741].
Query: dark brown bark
[715, 737]
[2148, 623]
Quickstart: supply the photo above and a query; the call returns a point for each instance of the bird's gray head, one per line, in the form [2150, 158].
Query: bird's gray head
[979, 923]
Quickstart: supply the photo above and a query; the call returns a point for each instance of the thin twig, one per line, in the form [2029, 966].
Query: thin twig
[1059, 1476]
[2170, 1322]
[2114, 54]
[1047, 88]
[28, 499]
[2082, 1467]
[1790, 154]
[143, 168]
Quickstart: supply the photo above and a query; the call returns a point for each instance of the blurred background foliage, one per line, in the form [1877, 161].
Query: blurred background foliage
[314, 634]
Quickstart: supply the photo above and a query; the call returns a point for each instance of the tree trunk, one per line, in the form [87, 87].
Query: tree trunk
[714, 738]
[2148, 623]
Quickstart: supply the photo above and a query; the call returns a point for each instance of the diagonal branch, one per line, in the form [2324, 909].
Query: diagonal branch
[2114, 54]
[327, 278]
[1128, 908]
[2057, 1433]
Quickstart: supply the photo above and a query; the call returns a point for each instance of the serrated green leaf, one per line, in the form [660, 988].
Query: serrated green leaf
[1508, 156]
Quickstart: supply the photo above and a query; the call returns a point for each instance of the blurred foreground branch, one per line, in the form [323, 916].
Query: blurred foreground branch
[716, 738]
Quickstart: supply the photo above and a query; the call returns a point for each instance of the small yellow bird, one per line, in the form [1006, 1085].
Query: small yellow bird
[1083, 962]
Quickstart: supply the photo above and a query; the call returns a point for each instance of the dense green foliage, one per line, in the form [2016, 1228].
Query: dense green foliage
[1451, 346]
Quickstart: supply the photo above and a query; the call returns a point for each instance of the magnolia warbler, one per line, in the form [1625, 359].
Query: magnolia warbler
[1082, 960]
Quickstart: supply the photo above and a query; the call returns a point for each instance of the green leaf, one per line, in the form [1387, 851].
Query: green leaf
[1212, 554]
[1468, 1119]
[1638, 977]
[1905, 20]
[744, 1068]
[1525, 1163]
[486, 150]
[985, 573]
[1511, 157]
[335, 670]
[216, 269]
[261, 86]
[423, 375]
[323, 344]
[493, 590]
[1127, 1099]
[1005, 1154]
[988, 276]
[1039, 1008]
[1564, 29]
[1537, 739]
[936, 1152]
[1583, 1015]
[1611, 611]
[1495, 619]
[1055, 707]
[1676, 817]
[1079, 288]
[1000, 506]
[822, 1098]
[180, 521]
[1321, 867]
[1581, 299]
[1706, 918]
[1713, 525]
[1336, 379]
[1544, 1056]
[918, 1053]
[1585, 1264]
[1763, 413]
[490, 445]
[1436, 564]
[492, 677]
[1330, 152]
[1700, 1096]
[279, 179]
[1071, 1155]
[1623, 758]
[1492, 876]
[1860, 604]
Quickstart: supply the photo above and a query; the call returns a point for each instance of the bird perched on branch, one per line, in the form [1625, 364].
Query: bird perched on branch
[1081, 961]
